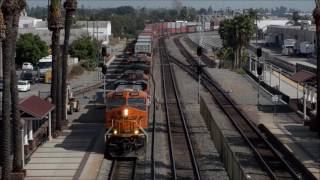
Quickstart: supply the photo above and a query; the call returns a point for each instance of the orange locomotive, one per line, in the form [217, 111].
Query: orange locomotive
[126, 119]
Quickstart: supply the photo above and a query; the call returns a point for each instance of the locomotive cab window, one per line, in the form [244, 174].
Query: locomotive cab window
[138, 103]
[115, 102]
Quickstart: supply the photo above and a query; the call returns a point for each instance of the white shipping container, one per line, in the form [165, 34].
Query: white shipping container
[191, 23]
[178, 24]
[144, 37]
[184, 24]
[199, 28]
[173, 25]
[142, 47]
[207, 24]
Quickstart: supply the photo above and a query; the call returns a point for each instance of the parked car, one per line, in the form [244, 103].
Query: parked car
[27, 66]
[24, 86]
[28, 76]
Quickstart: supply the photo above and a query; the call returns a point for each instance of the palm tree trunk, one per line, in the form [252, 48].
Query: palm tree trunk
[70, 6]
[235, 52]
[17, 124]
[315, 125]
[54, 82]
[2, 37]
[58, 79]
[7, 9]
[55, 25]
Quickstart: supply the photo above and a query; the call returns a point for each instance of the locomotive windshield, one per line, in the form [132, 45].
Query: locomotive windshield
[138, 103]
[116, 102]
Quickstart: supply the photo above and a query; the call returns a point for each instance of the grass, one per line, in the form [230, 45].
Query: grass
[240, 71]
[76, 70]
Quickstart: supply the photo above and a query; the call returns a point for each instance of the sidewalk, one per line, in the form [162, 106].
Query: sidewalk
[286, 126]
[286, 85]
[77, 153]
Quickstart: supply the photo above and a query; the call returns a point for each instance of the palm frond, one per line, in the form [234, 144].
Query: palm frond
[317, 3]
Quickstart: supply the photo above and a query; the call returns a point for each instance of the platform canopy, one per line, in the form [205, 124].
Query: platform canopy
[35, 107]
[304, 77]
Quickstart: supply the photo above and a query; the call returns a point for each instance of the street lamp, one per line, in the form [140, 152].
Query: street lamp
[199, 53]
[104, 72]
[259, 71]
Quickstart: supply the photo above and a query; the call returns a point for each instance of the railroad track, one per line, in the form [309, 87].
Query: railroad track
[276, 163]
[182, 156]
[123, 169]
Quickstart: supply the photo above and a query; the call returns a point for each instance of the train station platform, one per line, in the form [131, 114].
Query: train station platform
[286, 125]
[77, 153]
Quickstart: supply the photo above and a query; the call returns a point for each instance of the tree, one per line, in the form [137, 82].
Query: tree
[203, 11]
[8, 7]
[295, 18]
[55, 25]
[30, 48]
[84, 48]
[183, 13]
[210, 10]
[70, 6]
[17, 121]
[236, 33]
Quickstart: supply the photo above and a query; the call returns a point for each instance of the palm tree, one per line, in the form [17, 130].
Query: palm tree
[236, 33]
[17, 156]
[55, 25]
[8, 13]
[70, 6]
[316, 14]
[2, 36]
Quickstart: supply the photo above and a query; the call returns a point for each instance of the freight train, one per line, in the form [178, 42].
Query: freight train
[127, 106]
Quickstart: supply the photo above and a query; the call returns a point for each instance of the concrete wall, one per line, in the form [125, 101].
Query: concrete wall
[231, 163]
[238, 159]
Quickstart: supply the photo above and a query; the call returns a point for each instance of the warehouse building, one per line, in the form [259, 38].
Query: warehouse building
[275, 35]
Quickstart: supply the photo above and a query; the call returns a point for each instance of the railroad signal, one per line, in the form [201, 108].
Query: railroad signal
[259, 52]
[104, 69]
[199, 51]
[104, 51]
[259, 70]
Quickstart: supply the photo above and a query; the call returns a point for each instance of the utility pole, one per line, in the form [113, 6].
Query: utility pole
[316, 15]
[259, 72]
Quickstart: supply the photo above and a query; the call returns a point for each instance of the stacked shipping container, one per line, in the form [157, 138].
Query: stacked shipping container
[144, 42]
[145, 39]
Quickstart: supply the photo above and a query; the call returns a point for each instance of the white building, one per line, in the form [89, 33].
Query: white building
[100, 30]
[264, 23]
[28, 22]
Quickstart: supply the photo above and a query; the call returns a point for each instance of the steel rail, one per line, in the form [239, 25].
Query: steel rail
[153, 163]
[165, 56]
[173, 166]
[251, 129]
[117, 169]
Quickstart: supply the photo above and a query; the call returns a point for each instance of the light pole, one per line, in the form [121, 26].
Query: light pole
[199, 53]
[259, 71]
[104, 72]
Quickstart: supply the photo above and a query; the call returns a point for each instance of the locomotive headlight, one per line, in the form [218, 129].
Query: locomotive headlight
[115, 132]
[125, 112]
[136, 132]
